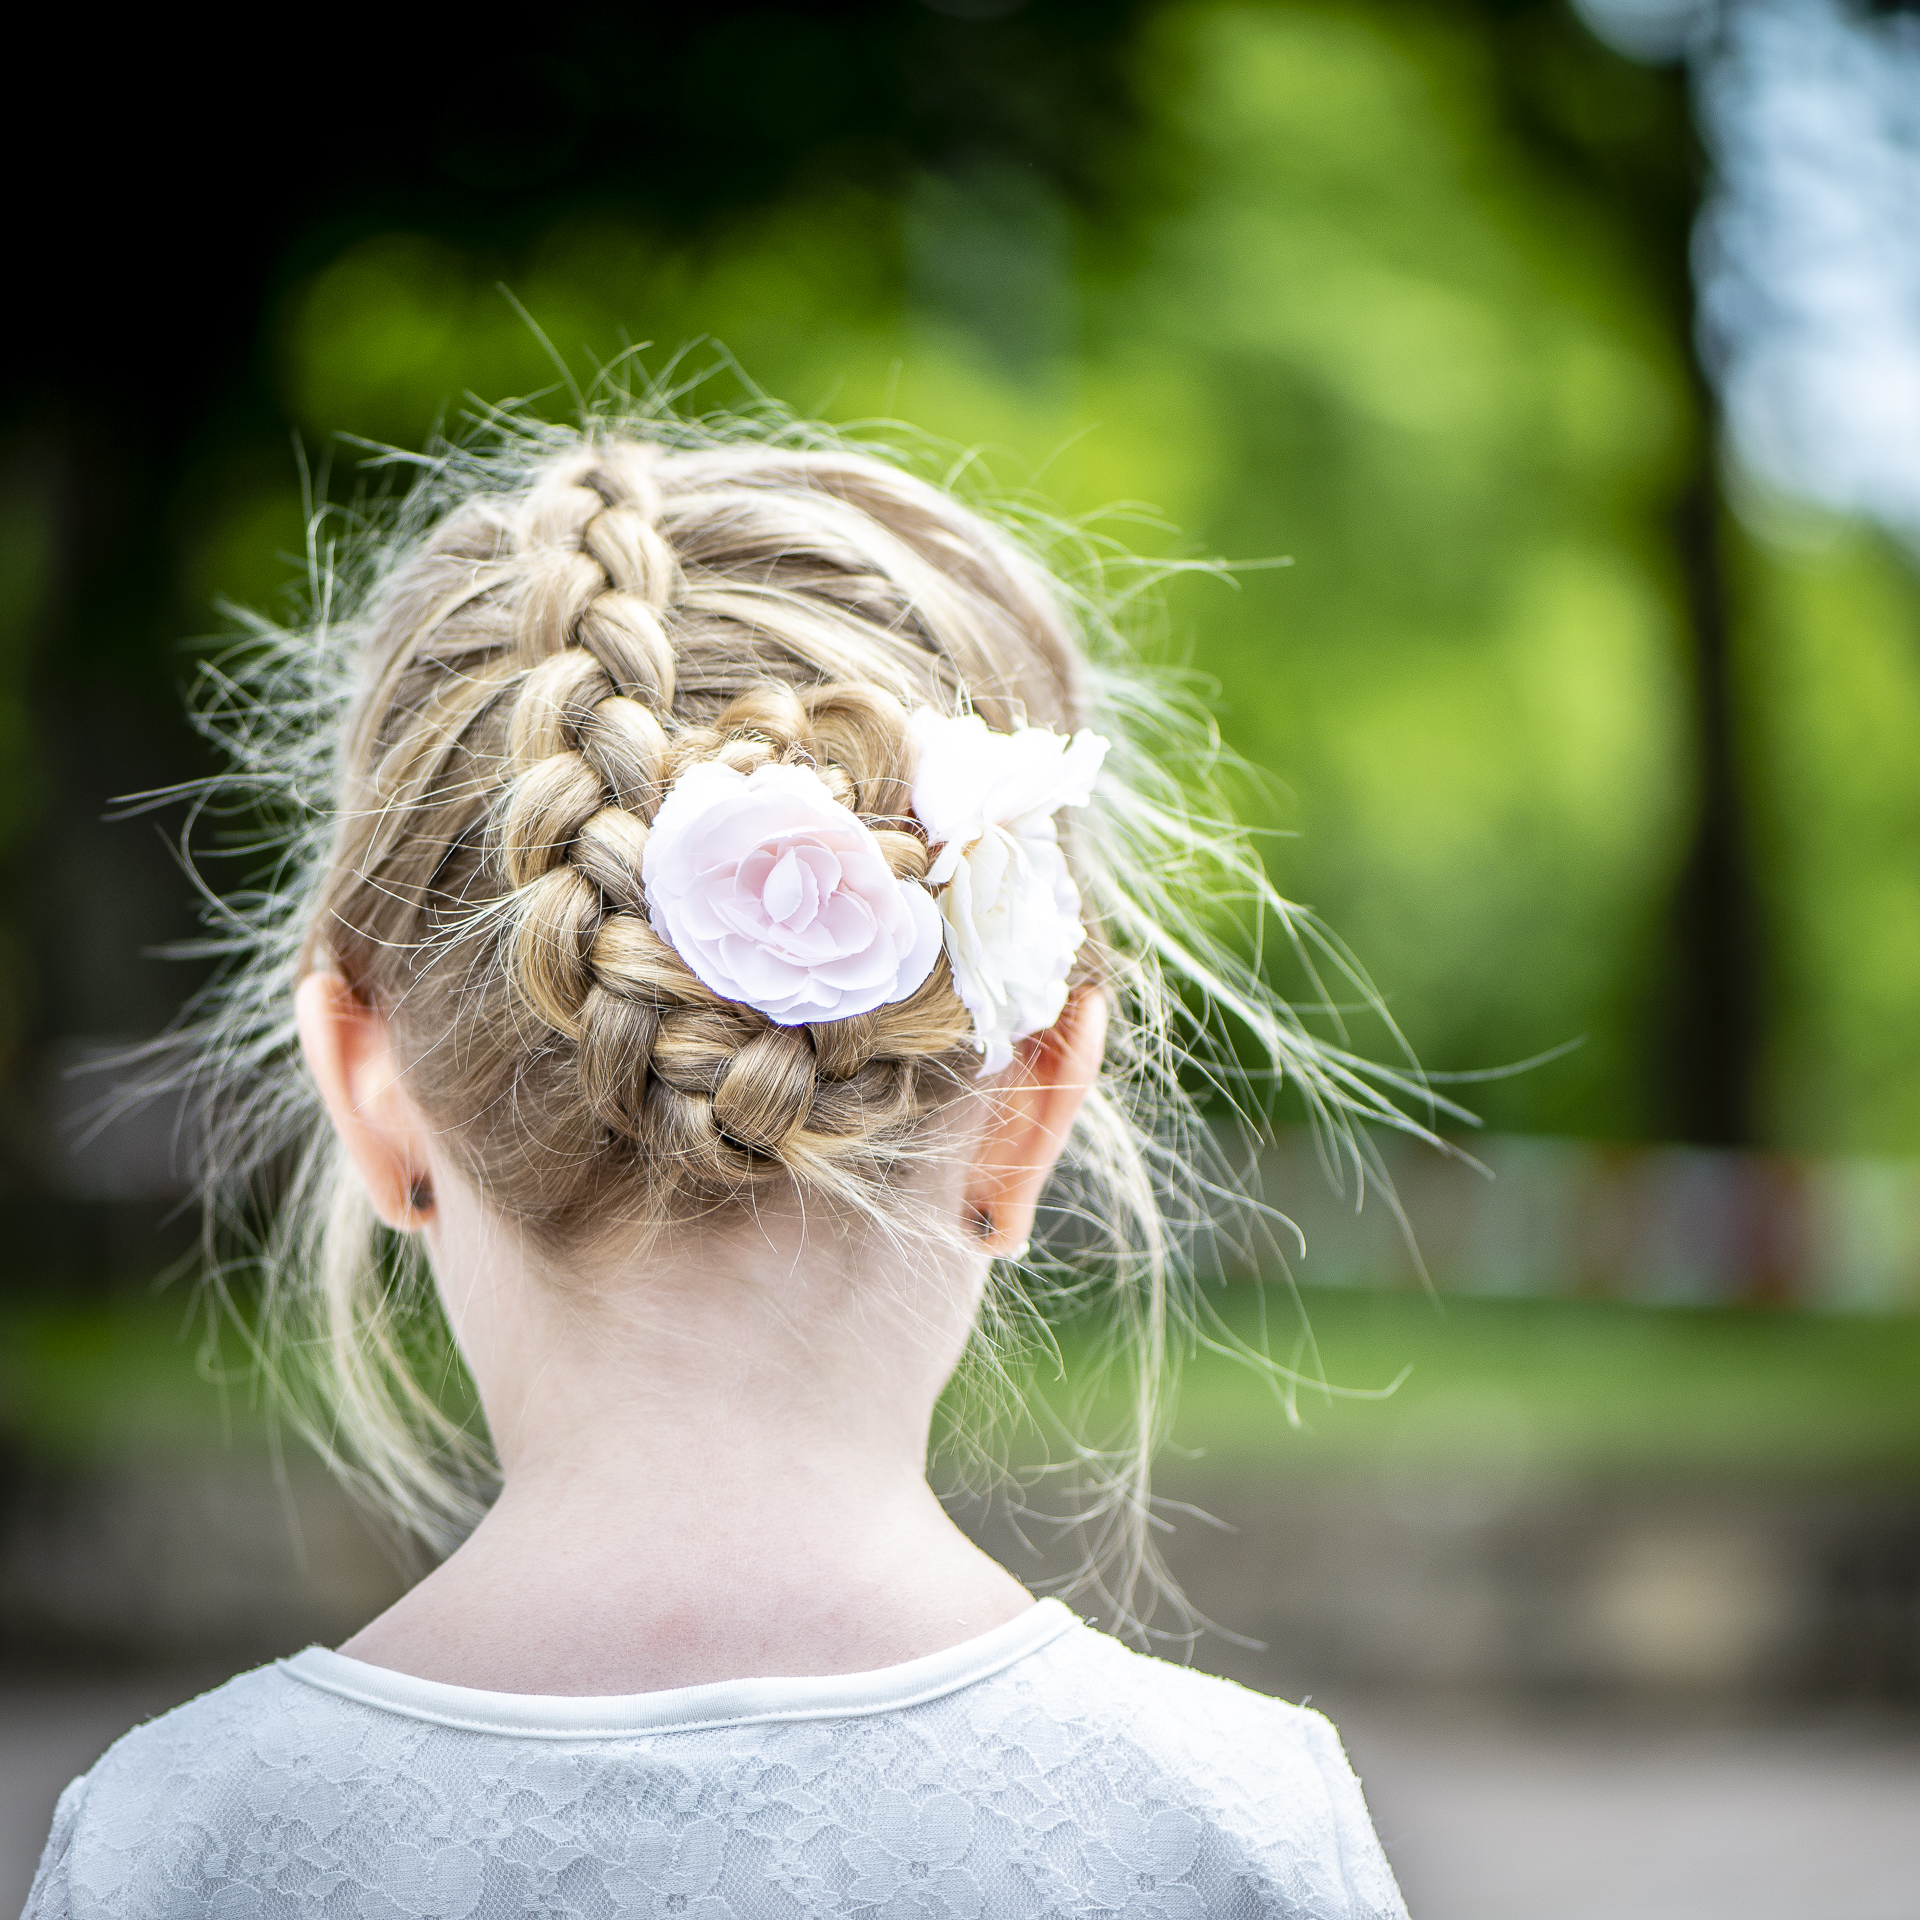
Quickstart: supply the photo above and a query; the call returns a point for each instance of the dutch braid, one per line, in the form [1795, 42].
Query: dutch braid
[661, 1060]
[541, 664]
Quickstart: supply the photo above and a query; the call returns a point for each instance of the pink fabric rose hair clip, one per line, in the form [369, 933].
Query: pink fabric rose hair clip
[780, 898]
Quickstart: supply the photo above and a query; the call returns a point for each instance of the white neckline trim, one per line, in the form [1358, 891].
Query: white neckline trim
[720, 1703]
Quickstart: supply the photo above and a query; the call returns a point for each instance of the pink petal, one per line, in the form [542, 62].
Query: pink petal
[789, 891]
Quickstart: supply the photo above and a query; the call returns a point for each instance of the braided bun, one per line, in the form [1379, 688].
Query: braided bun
[545, 669]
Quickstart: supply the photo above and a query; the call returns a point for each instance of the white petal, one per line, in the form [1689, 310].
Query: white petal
[968, 778]
[953, 765]
[946, 861]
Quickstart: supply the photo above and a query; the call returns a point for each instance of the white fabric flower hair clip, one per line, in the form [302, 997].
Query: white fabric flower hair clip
[780, 898]
[987, 801]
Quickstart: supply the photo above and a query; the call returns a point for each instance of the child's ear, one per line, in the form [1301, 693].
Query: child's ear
[350, 1055]
[1053, 1072]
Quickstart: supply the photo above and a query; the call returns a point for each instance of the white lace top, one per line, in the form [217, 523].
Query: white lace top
[1039, 1770]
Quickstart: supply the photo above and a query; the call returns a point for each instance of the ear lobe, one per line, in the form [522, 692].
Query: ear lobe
[1034, 1112]
[350, 1054]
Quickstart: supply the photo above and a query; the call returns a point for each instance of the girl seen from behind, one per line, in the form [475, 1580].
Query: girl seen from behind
[729, 880]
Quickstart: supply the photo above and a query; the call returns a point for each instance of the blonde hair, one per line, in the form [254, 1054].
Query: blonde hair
[457, 758]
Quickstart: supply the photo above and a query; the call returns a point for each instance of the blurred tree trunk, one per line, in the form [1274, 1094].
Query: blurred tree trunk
[1712, 1011]
[1627, 132]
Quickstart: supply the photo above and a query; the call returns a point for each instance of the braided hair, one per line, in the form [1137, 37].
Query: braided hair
[544, 670]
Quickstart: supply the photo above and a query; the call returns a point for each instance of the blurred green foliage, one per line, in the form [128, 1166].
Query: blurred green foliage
[127, 1376]
[1393, 290]
[1539, 1390]
[1403, 1386]
[1523, 1390]
[1830, 632]
[1354, 324]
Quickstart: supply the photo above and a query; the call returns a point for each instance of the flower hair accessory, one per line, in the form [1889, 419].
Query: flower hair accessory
[1012, 913]
[780, 898]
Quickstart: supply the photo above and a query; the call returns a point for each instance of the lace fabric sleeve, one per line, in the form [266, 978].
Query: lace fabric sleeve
[48, 1898]
[1372, 1891]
